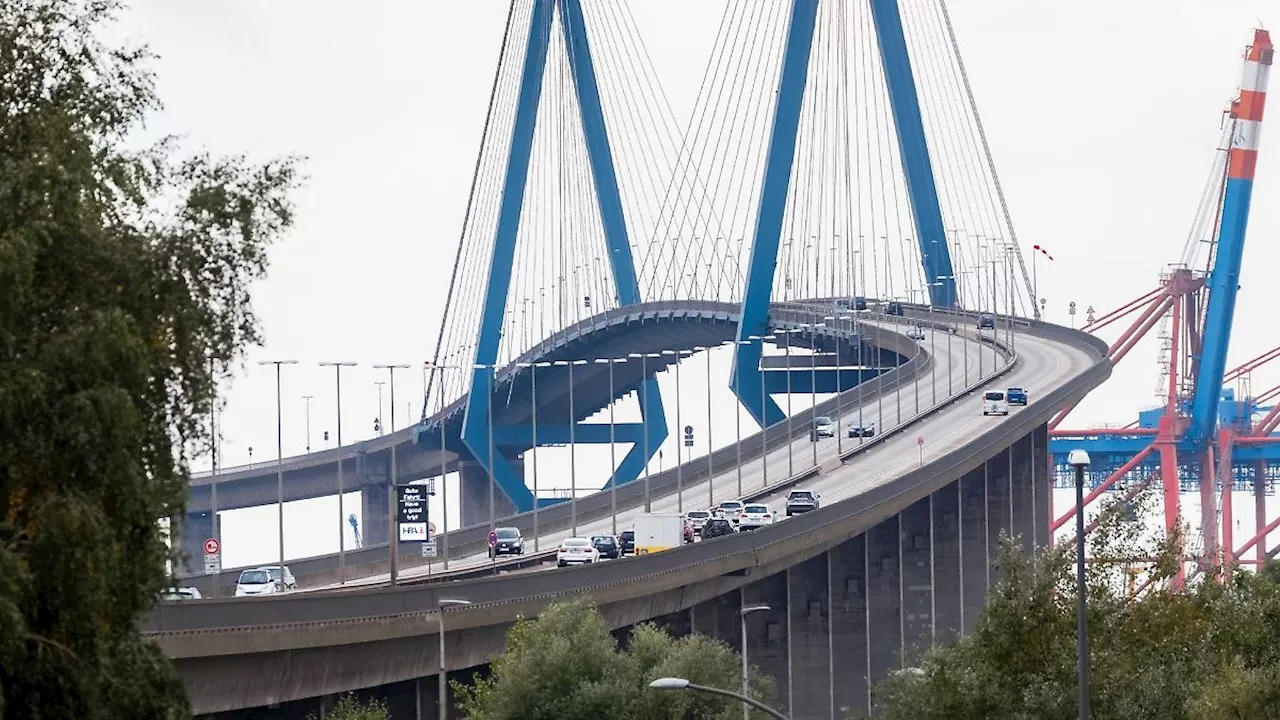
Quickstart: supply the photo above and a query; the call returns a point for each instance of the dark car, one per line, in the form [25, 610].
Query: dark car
[1016, 396]
[608, 546]
[859, 303]
[801, 501]
[716, 527]
[893, 308]
[510, 542]
[627, 542]
[864, 431]
[689, 532]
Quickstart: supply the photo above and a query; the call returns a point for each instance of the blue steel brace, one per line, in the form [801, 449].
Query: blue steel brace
[930, 232]
[475, 424]
[1220, 310]
[745, 381]
[614, 222]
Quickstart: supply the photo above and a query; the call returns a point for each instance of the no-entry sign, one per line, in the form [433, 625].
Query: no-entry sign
[211, 546]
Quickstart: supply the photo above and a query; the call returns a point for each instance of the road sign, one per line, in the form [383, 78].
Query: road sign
[211, 546]
[431, 529]
[493, 538]
[688, 436]
[212, 564]
[428, 549]
[411, 512]
[920, 440]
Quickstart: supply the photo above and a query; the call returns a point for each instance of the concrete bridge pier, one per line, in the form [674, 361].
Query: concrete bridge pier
[843, 621]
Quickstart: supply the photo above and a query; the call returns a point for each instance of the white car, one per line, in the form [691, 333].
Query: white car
[729, 510]
[576, 550]
[697, 518]
[916, 332]
[994, 403]
[755, 515]
[257, 581]
[823, 427]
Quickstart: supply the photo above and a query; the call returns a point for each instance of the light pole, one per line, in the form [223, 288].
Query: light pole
[393, 494]
[1079, 459]
[342, 544]
[737, 417]
[644, 430]
[711, 501]
[613, 458]
[764, 409]
[444, 486]
[670, 683]
[279, 461]
[743, 612]
[679, 355]
[307, 400]
[377, 421]
[441, 604]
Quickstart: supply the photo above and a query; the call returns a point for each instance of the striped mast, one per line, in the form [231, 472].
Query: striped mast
[1246, 111]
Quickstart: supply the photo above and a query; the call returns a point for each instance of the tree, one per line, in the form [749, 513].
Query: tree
[1209, 651]
[349, 707]
[124, 275]
[565, 665]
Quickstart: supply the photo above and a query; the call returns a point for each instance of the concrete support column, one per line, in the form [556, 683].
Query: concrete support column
[374, 514]
[999, 510]
[915, 573]
[811, 649]
[1042, 484]
[475, 486]
[884, 600]
[975, 564]
[767, 639]
[193, 529]
[848, 573]
[1023, 489]
[947, 601]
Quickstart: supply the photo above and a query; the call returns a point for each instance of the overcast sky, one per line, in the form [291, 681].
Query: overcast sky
[1102, 116]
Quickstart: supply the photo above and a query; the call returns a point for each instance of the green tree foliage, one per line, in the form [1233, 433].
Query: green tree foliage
[565, 665]
[349, 707]
[1211, 652]
[124, 275]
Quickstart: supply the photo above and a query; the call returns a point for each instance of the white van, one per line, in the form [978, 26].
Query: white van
[994, 402]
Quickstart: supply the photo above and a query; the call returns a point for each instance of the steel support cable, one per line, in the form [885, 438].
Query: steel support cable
[954, 192]
[986, 151]
[847, 157]
[620, 85]
[688, 158]
[721, 147]
[467, 218]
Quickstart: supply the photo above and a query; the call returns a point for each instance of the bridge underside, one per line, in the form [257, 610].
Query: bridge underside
[844, 615]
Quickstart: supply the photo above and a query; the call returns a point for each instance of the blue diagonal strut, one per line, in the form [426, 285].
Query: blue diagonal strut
[773, 199]
[475, 427]
[613, 220]
[916, 164]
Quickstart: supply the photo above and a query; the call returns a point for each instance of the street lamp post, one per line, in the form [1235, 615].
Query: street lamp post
[743, 612]
[711, 501]
[670, 683]
[393, 539]
[737, 419]
[279, 461]
[307, 400]
[441, 604]
[1079, 459]
[679, 355]
[764, 408]
[342, 535]
[613, 458]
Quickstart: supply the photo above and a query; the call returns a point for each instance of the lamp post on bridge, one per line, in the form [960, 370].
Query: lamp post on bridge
[613, 459]
[679, 355]
[743, 612]
[393, 494]
[441, 604]
[307, 400]
[279, 461]
[711, 471]
[342, 533]
[764, 410]
[443, 545]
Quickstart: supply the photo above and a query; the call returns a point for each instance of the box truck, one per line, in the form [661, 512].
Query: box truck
[656, 532]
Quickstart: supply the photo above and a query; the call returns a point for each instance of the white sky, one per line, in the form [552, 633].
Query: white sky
[1102, 116]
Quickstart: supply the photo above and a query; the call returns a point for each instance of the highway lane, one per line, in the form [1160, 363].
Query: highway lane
[1042, 360]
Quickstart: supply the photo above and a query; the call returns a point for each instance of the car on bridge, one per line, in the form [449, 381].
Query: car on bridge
[264, 581]
[823, 427]
[607, 546]
[698, 518]
[802, 501]
[181, 593]
[865, 431]
[755, 515]
[627, 543]
[576, 550]
[729, 510]
[1016, 396]
[994, 403]
[509, 541]
[716, 527]
[915, 332]
[893, 308]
